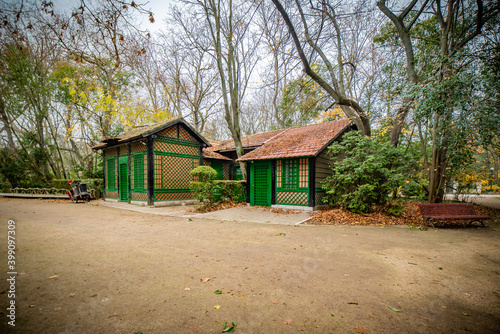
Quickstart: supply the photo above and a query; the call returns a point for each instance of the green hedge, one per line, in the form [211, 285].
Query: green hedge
[209, 191]
[233, 190]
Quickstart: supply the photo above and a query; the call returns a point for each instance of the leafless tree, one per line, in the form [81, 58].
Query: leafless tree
[317, 20]
[233, 45]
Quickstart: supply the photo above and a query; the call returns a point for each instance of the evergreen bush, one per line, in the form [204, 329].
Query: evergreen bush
[210, 191]
[366, 171]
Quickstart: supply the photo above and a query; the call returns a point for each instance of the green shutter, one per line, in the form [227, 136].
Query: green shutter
[217, 165]
[111, 176]
[139, 172]
[237, 175]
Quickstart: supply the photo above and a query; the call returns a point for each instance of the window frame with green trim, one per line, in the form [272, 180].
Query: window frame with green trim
[289, 175]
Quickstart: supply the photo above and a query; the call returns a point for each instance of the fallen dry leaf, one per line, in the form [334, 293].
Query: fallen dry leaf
[204, 280]
[274, 301]
[360, 329]
[379, 216]
[220, 206]
[54, 276]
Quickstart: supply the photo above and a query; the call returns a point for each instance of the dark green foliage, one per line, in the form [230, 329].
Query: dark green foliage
[231, 190]
[204, 173]
[5, 186]
[210, 191]
[366, 171]
[18, 172]
[394, 208]
[414, 189]
[11, 168]
[204, 188]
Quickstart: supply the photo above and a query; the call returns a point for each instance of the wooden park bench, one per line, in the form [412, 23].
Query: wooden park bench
[449, 211]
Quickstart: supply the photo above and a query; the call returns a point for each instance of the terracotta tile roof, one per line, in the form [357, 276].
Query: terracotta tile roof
[254, 140]
[214, 145]
[303, 141]
[208, 153]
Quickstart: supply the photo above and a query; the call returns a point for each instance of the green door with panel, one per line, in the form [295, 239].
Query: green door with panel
[260, 183]
[124, 179]
[217, 165]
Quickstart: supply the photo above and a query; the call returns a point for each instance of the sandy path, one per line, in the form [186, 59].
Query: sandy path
[121, 272]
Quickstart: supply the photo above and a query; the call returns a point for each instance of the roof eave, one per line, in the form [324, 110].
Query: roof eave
[339, 134]
[181, 121]
[244, 147]
[276, 158]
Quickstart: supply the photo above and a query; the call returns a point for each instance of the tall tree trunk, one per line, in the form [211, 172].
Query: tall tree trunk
[7, 126]
[229, 88]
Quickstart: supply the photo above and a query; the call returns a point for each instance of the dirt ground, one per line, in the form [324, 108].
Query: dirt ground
[96, 269]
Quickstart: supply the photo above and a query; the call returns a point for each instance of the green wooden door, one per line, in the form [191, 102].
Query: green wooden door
[260, 183]
[123, 180]
[237, 176]
[217, 165]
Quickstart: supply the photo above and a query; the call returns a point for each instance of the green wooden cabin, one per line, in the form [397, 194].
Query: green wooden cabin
[151, 165]
[288, 169]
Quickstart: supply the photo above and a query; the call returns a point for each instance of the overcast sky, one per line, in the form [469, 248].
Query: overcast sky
[160, 9]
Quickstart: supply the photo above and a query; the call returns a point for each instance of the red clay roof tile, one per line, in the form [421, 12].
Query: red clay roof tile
[210, 154]
[254, 140]
[303, 141]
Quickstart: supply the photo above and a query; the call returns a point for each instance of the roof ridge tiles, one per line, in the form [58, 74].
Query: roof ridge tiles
[298, 141]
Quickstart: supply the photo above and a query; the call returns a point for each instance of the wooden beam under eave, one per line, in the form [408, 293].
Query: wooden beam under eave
[151, 175]
[312, 182]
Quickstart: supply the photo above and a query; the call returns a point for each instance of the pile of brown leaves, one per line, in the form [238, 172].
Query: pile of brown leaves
[484, 210]
[410, 215]
[278, 210]
[378, 216]
[218, 206]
